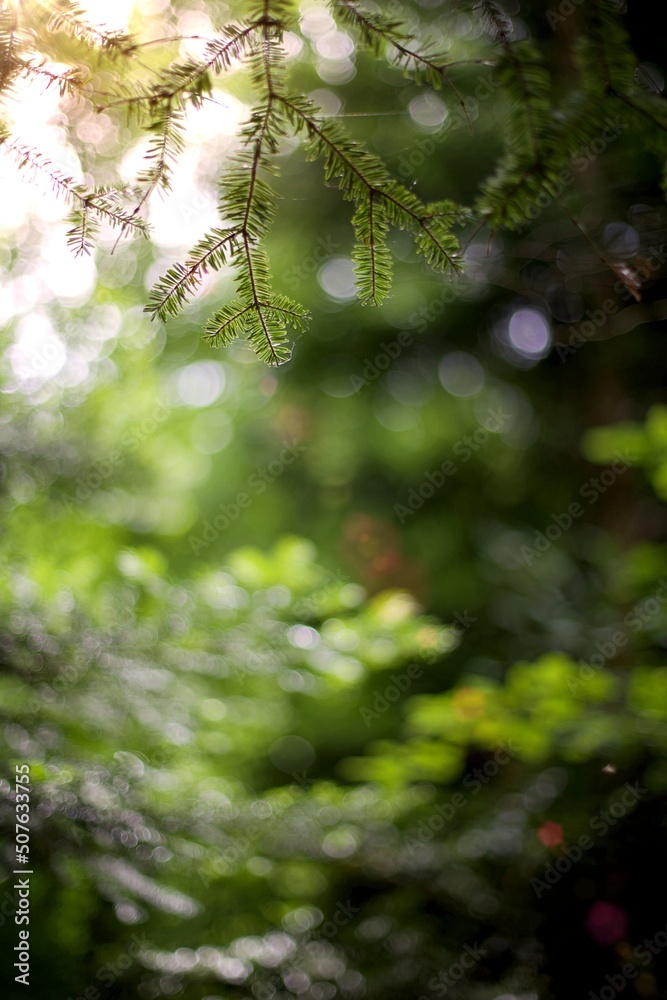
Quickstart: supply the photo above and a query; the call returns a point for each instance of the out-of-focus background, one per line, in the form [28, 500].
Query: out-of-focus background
[264, 631]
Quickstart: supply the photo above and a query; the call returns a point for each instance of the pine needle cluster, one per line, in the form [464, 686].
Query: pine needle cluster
[541, 133]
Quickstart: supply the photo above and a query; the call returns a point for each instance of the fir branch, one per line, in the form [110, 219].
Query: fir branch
[359, 174]
[508, 198]
[643, 110]
[248, 202]
[541, 139]
[8, 61]
[62, 185]
[69, 81]
[253, 321]
[183, 280]
[227, 325]
[376, 28]
[605, 47]
[495, 21]
[90, 207]
[620, 270]
[83, 232]
[533, 154]
[163, 150]
[71, 18]
[254, 288]
[187, 80]
[371, 255]
[102, 202]
[525, 80]
[273, 14]
[101, 206]
[608, 46]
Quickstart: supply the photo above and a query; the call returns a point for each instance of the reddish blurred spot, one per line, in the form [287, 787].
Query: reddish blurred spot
[606, 923]
[292, 424]
[372, 547]
[268, 385]
[551, 834]
[387, 562]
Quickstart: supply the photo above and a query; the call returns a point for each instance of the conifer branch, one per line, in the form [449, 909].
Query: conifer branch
[89, 206]
[528, 76]
[8, 61]
[249, 203]
[27, 158]
[227, 324]
[610, 43]
[640, 109]
[100, 206]
[187, 80]
[169, 294]
[371, 255]
[163, 150]
[70, 18]
[376, 28]
[359, 175]
[620, 272]
[253, 278]
[249, 283]
[532, 155]
[542, 137]
[70, 81]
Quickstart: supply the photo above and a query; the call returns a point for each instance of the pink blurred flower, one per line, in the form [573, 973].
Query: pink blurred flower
[607, 923]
